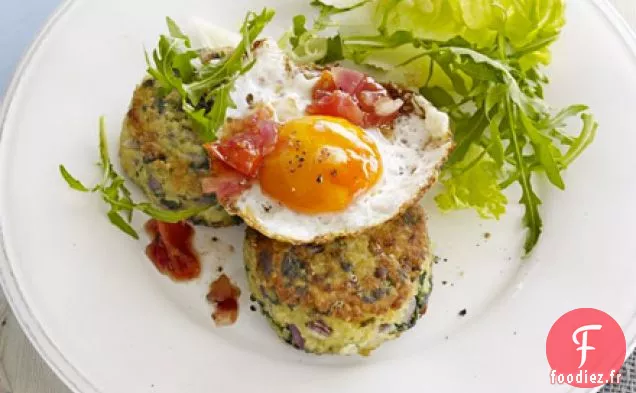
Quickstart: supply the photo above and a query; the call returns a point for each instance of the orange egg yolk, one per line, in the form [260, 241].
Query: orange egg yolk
[320, 164]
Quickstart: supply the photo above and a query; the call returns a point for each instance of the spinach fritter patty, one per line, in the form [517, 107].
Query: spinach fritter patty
[162, 154]
[346, 296]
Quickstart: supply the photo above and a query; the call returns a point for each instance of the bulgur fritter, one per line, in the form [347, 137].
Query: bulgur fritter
[346, 296]
[162, 154]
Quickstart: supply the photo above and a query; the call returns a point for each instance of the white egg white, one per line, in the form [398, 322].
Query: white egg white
[411, 157]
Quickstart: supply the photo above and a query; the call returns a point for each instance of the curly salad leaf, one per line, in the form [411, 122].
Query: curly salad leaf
[481, 62]
[204, 88]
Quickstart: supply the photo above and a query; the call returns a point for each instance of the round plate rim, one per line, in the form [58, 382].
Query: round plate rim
[44, 345]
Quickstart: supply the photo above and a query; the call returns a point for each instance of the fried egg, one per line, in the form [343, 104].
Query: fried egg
[327, 177]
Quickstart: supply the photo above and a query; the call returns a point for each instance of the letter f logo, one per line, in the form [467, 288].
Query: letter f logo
[583, 344]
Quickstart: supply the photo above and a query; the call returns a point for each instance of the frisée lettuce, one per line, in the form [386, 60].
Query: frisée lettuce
[479, 60]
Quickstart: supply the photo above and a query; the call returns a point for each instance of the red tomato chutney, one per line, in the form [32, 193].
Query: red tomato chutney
[171, 249]
[223, 294]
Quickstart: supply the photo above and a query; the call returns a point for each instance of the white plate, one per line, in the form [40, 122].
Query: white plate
[106, 321]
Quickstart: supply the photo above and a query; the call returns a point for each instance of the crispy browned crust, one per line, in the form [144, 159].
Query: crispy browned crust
[352, 278]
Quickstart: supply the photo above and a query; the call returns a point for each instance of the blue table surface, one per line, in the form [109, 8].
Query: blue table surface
[20, 22]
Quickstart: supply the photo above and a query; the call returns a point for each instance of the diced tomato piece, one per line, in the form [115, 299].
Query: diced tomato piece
[337, 104]
[368, 93]
[224, 182]
[367, 99]
[269, 135]
[351, 95]
[237, 158]
[369, 84]
[325, 85]
[250, 122]
[222, 289]
[347, 80]
[373, 120]
[224, 295]
[171, 249]
[241, 151]
[259, 114]
[223, 187]
[245, 151]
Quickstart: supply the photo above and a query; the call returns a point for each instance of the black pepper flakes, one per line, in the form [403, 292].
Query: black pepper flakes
[462, 312]
[319, 179]
[249, 99]
[215, 239]
[219, 269]
[252, 307]
[487, 235]
[444, 282]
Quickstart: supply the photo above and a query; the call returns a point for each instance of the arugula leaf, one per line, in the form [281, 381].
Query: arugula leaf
[496, 148]
[585, 138]
[170, 58]
[205, 89]
[114, 192]
[298, 29]
[437, 96]
[176, 32]
[529, 199]
[543, 151]
[166, 215]
[71, 181]
[334, 51]
[222, 101]
[119, 222]
[481, 62]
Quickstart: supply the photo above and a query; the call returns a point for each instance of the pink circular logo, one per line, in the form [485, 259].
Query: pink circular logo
[585, 348]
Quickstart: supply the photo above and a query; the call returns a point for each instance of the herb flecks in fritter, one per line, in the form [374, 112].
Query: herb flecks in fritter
[348, 295]
[162, 154]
